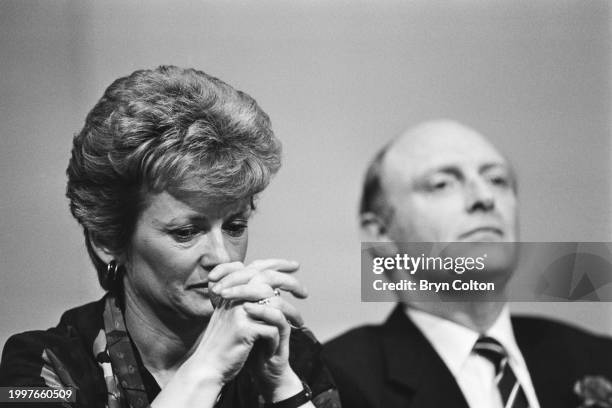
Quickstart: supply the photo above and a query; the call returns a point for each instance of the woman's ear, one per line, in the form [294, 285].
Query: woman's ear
[105, 254]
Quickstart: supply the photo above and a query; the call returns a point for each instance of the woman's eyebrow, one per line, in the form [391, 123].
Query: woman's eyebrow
[180, 219]
[245, 212]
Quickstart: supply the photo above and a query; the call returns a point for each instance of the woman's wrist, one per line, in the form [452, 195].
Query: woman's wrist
[190, 387]
[287, 386]
[203, 374]
[197, 384]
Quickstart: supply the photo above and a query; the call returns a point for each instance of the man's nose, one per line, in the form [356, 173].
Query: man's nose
[215, 251]
[479, 196]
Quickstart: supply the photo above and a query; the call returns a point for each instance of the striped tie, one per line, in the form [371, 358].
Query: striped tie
[511, 392]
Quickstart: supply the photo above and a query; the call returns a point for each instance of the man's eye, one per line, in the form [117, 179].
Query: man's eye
[440, 184]
[184, 234]
[235, 229]
[500, 181]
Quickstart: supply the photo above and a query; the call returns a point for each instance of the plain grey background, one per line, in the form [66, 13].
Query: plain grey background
[339, 79]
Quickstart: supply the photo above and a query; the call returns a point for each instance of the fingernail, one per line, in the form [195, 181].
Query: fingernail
[216, 289]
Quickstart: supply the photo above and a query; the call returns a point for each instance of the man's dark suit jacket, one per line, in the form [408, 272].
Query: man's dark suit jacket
[394, 365]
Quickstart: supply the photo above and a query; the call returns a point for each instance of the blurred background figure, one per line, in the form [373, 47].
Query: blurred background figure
[442, 182]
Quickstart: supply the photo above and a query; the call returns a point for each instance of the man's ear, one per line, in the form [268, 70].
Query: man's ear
[373, 229]
[105, 254]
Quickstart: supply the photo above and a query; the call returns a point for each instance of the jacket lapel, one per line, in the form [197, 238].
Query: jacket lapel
[552, 382]
[416, 376]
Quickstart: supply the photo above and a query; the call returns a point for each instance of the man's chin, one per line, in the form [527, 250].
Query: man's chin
[492, 257]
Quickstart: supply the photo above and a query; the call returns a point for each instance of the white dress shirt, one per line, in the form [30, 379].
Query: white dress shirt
[474, 374]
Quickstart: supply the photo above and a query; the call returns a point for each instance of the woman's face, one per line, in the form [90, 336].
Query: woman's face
[175, 244]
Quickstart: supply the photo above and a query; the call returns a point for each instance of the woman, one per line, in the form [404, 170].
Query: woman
[163, 179]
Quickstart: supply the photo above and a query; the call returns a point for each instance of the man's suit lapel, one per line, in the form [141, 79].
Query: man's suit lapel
[415, 374]
[553, 385]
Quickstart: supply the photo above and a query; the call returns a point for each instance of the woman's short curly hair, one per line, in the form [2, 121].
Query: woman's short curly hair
[167, 129]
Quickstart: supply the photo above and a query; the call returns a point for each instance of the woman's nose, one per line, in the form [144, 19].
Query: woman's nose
[215, 251]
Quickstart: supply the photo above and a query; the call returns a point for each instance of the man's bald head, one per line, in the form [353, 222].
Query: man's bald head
[431, 136]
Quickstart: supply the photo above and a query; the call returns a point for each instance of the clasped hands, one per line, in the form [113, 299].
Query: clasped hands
[242, 327]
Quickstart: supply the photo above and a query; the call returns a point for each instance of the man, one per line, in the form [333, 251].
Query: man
[444, 182]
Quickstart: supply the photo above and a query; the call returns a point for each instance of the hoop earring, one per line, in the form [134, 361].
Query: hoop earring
[111, 271]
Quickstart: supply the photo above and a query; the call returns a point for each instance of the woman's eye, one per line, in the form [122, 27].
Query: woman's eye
[184, 234]
[235, 229]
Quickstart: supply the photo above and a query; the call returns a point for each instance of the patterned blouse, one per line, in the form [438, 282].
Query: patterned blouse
[91, 352]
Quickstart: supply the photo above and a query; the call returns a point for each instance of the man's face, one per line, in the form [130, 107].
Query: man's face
[446, 183]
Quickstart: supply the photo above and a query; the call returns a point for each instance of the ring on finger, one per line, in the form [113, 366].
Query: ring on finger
[267, 300]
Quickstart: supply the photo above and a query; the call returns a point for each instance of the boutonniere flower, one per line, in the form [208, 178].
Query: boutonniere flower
[595, 392]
